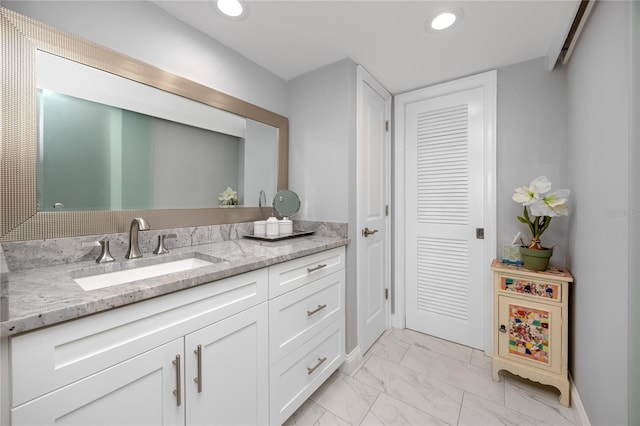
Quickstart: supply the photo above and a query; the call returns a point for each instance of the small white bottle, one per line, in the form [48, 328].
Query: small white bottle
[259, 228]
[286, 226]
[272, 227]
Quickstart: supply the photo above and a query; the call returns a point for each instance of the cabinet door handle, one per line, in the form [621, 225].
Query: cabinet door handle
[312, 369]
[318, 309]
[178, 391]
[503, 328]
[198, 379]
[320, 266]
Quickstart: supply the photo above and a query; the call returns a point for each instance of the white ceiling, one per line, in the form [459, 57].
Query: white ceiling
[388, 38]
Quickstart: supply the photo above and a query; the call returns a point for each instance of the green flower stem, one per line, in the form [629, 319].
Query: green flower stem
[537, 226]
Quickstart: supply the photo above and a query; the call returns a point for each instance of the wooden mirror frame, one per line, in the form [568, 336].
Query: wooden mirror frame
[19, 218]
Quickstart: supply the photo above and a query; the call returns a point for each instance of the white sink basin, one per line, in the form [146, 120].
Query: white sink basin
[108, 279]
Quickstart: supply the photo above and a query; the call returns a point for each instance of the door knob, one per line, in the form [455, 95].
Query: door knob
[366, 232]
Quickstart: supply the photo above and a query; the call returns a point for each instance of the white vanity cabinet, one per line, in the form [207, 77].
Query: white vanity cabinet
[137, 365]
[248, 349]
[306, 328]
[222, 381]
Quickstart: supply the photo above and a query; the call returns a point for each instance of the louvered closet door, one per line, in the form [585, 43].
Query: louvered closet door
[445, 205]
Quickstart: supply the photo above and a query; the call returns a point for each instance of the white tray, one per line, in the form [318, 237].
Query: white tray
[279, 237]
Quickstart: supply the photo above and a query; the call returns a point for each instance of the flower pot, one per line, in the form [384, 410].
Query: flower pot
[229, 203]
[536, 260]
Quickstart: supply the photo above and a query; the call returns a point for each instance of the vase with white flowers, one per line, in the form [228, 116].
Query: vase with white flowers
[228, 198]
[539, 207]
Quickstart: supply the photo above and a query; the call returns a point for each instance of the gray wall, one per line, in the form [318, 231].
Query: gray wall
[320, 136]
[600, 142]
[191, 166]
[260, 163]
[146, 32]
[532, 142]
[322, 159]
[634, 228]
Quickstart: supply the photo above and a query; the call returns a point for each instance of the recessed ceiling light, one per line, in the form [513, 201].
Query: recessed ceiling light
[444, 19]
[231, 8]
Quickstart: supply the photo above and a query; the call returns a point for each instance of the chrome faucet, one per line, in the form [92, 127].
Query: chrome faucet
[137, 224]
[105, 255]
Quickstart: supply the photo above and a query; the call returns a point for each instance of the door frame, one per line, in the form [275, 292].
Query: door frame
[487, 81]
[364, 77]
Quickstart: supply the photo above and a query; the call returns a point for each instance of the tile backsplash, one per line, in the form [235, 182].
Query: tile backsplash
[39, 253]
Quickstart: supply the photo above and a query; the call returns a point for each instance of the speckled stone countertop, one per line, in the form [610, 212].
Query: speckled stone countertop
[48, 295]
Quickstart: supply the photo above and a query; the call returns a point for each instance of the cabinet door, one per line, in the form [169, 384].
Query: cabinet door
[530, 333]
[139, 391]
[229, 384]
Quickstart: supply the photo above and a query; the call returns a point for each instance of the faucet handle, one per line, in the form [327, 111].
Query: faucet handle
[105, 255]
[161, 249]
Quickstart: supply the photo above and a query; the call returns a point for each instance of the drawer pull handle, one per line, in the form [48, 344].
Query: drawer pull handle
[178, 392]
[503, 328]
[318, 309]
[198, 379]
[320, 266]
[320, 362]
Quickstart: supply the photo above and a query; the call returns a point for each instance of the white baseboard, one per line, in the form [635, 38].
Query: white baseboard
[581, 414]
[352, 361]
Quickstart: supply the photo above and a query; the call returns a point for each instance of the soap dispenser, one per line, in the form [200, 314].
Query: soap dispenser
[272, 227]
[286, 226]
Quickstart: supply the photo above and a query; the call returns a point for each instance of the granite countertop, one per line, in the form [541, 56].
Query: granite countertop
[49, 295]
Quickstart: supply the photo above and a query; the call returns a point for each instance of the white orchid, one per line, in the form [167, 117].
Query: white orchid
[542, 207]
[554, 204]
[228, 197]
[530, 195]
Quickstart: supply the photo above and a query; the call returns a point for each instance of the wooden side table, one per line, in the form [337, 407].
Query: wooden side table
[531, 318]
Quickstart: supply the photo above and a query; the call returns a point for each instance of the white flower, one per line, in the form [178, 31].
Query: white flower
[554, 204]
[530, 195]
[228, 194]
[542, 207]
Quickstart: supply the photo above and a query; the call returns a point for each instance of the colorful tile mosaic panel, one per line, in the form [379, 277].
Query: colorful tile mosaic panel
[534, 288]
[529, 333]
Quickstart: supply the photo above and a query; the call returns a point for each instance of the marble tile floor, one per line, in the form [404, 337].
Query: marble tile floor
[409, 378]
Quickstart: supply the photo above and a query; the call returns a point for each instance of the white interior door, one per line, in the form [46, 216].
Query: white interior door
[373, 194]
[445, 191]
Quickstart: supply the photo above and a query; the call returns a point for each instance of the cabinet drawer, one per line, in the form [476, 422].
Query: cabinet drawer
[297, 376]
[530, 333]
[534, 288]
[46, 359]
[296, 316]
[290, 275]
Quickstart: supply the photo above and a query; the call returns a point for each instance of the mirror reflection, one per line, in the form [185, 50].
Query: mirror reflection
[101, 151]
[93, 156]
[42, 57]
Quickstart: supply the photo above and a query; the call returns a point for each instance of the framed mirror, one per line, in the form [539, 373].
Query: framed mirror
[51, 193]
